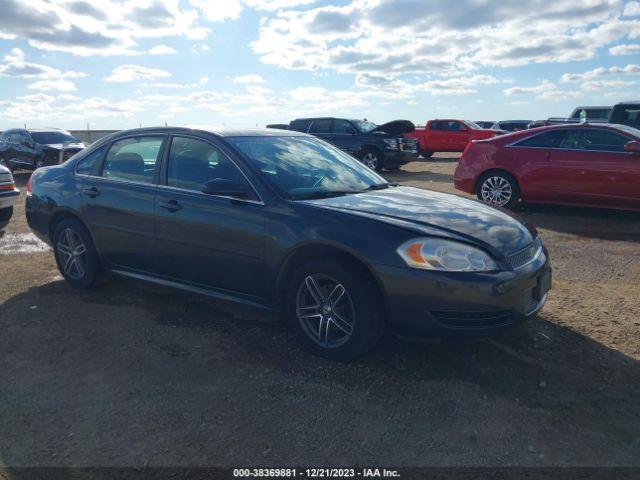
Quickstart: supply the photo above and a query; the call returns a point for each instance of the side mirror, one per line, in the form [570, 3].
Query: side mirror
[633, 146]
[225, 188]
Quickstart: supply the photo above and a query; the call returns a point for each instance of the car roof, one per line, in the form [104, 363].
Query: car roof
[225, 132]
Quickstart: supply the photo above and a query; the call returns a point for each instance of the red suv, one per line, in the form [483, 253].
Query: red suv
[448, 135]
[596, 165]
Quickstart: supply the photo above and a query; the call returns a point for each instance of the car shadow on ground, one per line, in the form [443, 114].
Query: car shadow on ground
[588, 222]
[127, 355]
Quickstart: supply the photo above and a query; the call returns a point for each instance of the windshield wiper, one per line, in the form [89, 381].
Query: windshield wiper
[325, 194]
[380, 186]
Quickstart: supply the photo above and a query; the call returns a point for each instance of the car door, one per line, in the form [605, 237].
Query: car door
[119, 200]
[343, 136]
[458, 136]
[206, 240]
[531, 160]
[592, 167]
[437, 136]
[322, 128]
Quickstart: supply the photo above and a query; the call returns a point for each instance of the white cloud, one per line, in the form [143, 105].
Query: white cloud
[46, 85]
[162, 50]
[17, 66]
[250, 78]
[632, 9]
[600, 72]
[625, 49]
[129, 73]
[545, 90]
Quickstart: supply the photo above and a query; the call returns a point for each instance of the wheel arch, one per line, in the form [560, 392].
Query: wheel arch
[308, 251]
[61, 215]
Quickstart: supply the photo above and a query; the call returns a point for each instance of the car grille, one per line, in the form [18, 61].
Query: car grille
[409, 145]
[453, 319]
[525, 255]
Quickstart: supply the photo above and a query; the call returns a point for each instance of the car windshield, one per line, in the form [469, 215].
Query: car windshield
[364, 126]
[471, 124]
[49, 138]
[305, 167]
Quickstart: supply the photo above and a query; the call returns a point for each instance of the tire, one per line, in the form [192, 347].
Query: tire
[372, 158]
[5, 216]
[426, 153]
[354, 322]
[38, 163]
[84, 269]
[499, 189]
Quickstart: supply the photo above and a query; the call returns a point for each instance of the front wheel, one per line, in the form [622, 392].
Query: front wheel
[499, 189]
[38, 163]
[335, 309]
[426, 153]
[75, 254]
[373, 159]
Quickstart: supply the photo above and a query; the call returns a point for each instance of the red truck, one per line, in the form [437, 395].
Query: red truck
[446, 135]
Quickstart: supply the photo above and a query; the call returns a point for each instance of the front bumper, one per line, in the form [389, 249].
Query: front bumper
[423, 303]
[396, 158]
[9, 198]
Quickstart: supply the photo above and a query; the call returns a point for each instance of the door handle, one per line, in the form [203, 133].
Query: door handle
[171, 205]
[92, 192]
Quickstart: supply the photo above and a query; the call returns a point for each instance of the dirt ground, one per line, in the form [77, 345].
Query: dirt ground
[133, 374]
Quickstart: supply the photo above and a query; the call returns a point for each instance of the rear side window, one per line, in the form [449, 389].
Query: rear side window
[595, 140]
[90, 164]
[321, 126]
[300, 125]
[550, 139]
[133, 159]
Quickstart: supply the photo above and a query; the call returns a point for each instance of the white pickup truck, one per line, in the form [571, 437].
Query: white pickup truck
[9, 195]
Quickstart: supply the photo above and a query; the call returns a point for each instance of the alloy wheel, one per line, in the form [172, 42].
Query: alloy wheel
[325, 310]
[370, 160]
[72, 253]
[496, 191]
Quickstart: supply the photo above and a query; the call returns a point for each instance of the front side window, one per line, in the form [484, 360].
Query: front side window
[133, 159]
[89, 164]
[595, 140]
[550, 139]
[49, 138]
[303, 167]
[192, 163]
[321, 126]
[435, 126]
[344, 127]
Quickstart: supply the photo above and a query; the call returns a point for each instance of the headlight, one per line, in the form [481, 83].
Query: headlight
[446, 255]
[392, 143]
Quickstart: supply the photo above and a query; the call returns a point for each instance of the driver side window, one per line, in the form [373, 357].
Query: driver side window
[192, 163]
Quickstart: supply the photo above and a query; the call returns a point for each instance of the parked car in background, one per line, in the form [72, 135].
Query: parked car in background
[626, 113]
[485, 123]
[377, 146]
[280, 126]
[283, 220]
[591, 114]
[511, 125]
[31, 149]
[9, 195]
[596, 165]
[448, 135]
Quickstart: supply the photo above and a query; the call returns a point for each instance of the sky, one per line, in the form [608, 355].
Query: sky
[114, 64]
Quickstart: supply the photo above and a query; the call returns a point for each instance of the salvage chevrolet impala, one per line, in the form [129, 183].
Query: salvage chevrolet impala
[283, 220]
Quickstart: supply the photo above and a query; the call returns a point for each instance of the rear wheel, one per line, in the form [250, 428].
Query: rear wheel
[499, 189]
[372, 159]
[335, 309]
[5, 216]
[75, 254]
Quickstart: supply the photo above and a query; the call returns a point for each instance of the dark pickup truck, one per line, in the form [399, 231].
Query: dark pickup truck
[376, 146]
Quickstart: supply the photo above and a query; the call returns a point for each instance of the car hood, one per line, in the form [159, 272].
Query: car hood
[396, 127]
[439, 214]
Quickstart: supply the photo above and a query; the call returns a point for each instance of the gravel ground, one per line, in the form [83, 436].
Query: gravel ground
[133, 374]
